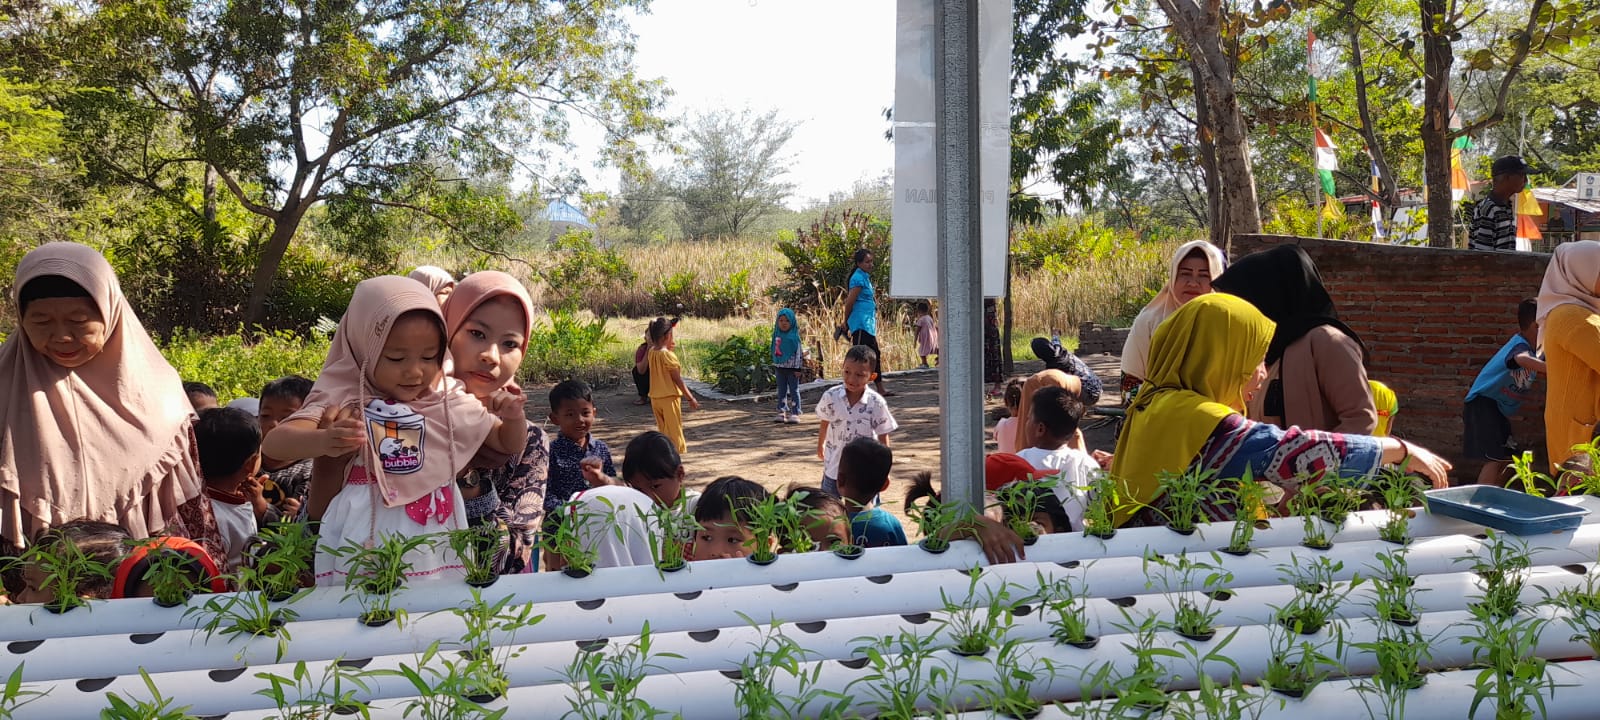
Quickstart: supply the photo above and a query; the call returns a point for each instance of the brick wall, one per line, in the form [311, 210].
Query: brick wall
[1094, 338]
[1430, 318]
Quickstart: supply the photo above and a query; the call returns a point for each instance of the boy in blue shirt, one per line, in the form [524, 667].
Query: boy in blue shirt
[863, 473]
[1497, 394]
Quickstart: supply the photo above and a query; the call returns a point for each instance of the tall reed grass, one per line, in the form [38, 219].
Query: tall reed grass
[1106, 289]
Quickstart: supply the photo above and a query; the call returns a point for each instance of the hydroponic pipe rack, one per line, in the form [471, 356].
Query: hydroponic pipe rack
[851, 630]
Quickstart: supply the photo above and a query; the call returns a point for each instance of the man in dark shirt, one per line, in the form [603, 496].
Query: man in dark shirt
[1494, 220]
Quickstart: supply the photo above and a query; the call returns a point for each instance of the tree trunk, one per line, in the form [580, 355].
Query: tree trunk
[1199, 31]
[1437, 57]
[1216, 203]
[1388, 196]
[283, 230]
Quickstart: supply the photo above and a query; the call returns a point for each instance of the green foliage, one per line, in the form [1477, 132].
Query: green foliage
[732, 172]
[565, 346]
[158, 707]
[685, 293]
[237, 366]
[741, 364]
[13, 695]
[584, 272]
[822, 258]
[67, 571]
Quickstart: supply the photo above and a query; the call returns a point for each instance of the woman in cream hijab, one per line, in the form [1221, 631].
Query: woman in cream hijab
[1194, 266]
[94, 423]
[1205, 364]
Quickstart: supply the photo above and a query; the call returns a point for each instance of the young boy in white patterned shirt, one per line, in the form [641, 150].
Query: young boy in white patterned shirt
[849, 411]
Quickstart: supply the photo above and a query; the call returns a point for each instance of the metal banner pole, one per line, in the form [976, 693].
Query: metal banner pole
[960, 252]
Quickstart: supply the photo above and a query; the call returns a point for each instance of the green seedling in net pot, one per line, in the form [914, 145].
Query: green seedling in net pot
[281, 556]
[976, 623]
[373, 574]
[1249, 499]
[1394, 592]
[934, 520]
[1064, 598]
[1579, 607]
[302, 696]
[158, 707]
[1016, 671]
[1513, 674]
[1183, 498]
[1308, 505]
[1503, 568]
[246, 614]
[1144, 690]
[485, 624]
[902, 677]
[1103, 499]
[1019, 501]
[564, 538]
[64, 570]
[1191, 588]
[1317, 593]
[1297, 665]
[1400, 493]
[672, 530]
[476, 546]
[171, 575]
[1530, 480]
[605, 679]
[755, 688]
[770, 521]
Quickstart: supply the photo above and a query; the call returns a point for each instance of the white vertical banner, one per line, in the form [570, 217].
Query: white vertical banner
[914, 259]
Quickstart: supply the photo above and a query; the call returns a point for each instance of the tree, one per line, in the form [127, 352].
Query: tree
[732, 172]
[1545, 25]
[293, 105]
[1201, 28]
[1058, 131]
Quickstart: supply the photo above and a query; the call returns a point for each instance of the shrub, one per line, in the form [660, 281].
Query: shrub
[237, 366]
[685, 293]
[741, 364]
[586, 275]
[823, 256]
[565, 346]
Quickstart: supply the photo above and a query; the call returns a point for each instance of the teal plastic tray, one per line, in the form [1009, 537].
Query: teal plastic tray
[1505, 510]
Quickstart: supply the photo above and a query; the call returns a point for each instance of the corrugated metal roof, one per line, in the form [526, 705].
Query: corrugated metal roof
[560, 212]
[1568, 197]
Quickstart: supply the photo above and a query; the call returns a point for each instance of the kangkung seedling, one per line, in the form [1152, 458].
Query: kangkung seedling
[672, 530]
[1338, 497]
[1191, 588]
[373, 574]
[1307, 503]
[1213, 699]
[246, 614]
[1532, 481]
[934, 520]
[1513, 674]
[770, 521]
[1019, 501]
[1401, 654]
[567, 542]
[158, 707]
[300, 696]
[1183, 498]
[65, 570]
[1581, 606]
[1249, 500]
[903, 679]
[1581, 474]
[281, 556]
[1103, 498]
[476, 546]
[1317, 593]
[755, 691]
[1394, 592]
[605, 680]
[13, 695]
[1069, 619]
[1145, 688]
[1016, 670]
[484, 670]
[1503, 569]
[171, 575]
[1400, 492]
[976, 623]
[443, 688]
[1298, 665]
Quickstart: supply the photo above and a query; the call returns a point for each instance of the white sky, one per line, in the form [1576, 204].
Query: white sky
[827, 64]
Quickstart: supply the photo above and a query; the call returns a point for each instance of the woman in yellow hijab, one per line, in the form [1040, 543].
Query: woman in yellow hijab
[1205, 364]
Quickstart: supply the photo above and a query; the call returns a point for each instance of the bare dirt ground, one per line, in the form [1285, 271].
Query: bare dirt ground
[740, 438]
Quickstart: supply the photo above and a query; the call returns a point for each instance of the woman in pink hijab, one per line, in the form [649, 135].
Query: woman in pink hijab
[489, 319]
[94, 423]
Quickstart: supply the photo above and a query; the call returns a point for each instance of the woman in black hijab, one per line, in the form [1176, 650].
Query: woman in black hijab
[1316, 365]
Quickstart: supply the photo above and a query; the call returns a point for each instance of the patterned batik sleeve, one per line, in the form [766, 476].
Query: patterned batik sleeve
[1287, 456]
[521, 487]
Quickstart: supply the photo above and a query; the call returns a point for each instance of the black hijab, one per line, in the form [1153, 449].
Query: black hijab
[1284, 285]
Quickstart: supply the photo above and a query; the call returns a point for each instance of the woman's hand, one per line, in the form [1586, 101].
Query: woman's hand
[1103, 458]
[1425, 463]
